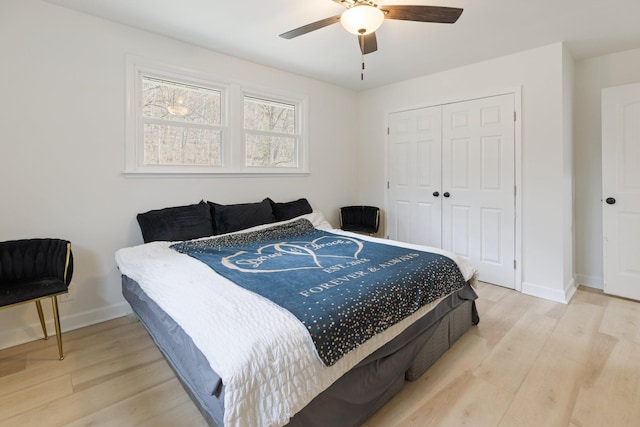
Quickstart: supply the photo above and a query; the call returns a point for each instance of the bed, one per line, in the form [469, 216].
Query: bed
[246, 358]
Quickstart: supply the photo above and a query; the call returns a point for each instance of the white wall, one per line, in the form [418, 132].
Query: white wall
[62, 115]
[592, 75]
[547, 267]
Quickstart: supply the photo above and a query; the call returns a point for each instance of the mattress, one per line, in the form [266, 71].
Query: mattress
[347, 402]
[298, 374]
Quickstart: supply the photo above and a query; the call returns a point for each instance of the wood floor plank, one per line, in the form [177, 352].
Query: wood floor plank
[35, 396]
[573, 335]
[622, 319]
[20, 351]
[81, 355]
[547, 394]
[185, 414]
[137, 408]
[509, 361]
[12, 366]
[124, 362]
[77, 405]
[469, 407]
[439, 382]
[611, 392]
[496, 322]
[100, 340]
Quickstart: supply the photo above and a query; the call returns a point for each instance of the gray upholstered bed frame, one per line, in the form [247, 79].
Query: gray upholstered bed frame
[351, 399]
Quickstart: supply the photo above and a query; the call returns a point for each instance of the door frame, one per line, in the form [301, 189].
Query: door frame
[517, 137]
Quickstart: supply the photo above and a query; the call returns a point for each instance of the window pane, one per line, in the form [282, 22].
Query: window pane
[271, 151]
[180, 102]
[177, 145]
[270, 116]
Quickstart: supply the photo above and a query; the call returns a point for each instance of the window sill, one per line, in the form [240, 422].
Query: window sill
[211, 174]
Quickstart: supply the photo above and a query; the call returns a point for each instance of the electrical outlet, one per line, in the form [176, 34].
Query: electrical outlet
[66, 297]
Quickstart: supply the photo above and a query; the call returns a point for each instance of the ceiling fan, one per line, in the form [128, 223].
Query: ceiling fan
[364, 17]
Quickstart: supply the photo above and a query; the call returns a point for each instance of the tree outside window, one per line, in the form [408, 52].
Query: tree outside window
[271, 135]
[182, 121]
[181, 124]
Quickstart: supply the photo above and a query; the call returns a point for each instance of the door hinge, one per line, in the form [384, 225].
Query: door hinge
[387, 185]
[514, 116]
[514, 264]
[387, 131]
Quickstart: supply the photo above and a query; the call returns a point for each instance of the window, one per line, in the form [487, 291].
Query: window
[181, 124]
[271, 133]
[178, 122]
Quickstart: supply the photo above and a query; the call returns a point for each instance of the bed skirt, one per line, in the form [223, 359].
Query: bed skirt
[348, 401]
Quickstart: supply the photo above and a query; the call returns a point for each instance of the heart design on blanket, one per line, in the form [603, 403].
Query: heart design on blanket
[323, 252]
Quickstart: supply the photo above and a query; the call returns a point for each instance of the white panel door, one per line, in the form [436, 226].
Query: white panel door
[621, 190]
[478, 185]
[414, 202]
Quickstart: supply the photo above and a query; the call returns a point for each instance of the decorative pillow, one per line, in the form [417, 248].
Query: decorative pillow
[176, 223]
[229, 218]
[289, 210]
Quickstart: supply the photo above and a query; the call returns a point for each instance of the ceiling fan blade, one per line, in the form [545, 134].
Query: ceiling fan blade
[445, 15]
[368, 43]
[310, 27]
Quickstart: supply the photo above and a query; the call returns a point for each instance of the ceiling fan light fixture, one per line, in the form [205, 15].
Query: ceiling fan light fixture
[362, 19]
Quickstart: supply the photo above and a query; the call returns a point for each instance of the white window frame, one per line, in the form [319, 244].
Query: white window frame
[300, 135]
[232, 122]
[137, 68]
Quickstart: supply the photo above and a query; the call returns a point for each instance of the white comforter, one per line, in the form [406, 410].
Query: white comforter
[268, 363]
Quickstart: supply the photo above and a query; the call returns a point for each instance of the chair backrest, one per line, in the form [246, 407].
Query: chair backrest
[34, 259]
[360, 218]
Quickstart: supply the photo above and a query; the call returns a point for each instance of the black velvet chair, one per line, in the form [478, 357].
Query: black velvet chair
[361, 219]
[34, 269]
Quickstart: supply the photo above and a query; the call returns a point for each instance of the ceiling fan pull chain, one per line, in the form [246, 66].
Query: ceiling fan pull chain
[361, 40]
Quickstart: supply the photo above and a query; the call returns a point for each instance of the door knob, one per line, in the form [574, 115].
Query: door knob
[446, 194]
[436, 194]
[610, 201]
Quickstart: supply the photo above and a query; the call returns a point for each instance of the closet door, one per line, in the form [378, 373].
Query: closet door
[414, 201]
[478, 185]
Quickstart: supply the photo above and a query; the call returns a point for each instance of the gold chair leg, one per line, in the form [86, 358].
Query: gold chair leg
[56, 320]
[41, 316]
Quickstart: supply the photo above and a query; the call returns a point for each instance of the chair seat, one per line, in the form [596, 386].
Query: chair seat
[359, 228]
[15, 292]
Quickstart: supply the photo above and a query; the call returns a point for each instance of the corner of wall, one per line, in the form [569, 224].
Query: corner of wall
[562, 296]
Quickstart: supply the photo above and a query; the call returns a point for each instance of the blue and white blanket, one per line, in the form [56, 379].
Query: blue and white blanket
[343, 289]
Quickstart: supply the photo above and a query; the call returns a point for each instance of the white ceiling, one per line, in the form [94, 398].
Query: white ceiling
[487, 29]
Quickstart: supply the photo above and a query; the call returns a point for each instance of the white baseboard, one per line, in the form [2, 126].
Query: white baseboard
[590, 281]
[33, 331]
[557, 295]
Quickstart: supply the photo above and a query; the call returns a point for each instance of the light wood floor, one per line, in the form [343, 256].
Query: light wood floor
[530, 362]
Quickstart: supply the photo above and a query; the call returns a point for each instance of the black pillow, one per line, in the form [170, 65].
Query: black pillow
[229, 218]
[176, 223]
[289, 210]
